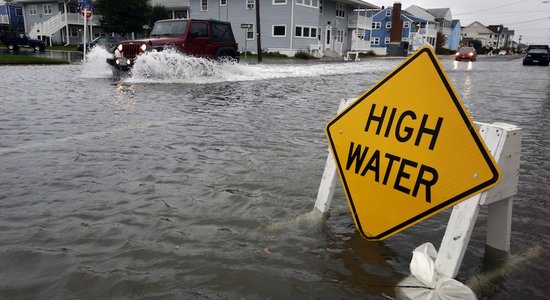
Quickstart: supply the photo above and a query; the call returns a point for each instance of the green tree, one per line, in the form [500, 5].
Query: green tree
[478, 46]
[123, 16]
[441, 40]
[157, 12]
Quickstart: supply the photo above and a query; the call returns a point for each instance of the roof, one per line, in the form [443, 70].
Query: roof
[421, 13]
[413, 18]
[32, 1]
[171, 3]
[360, 3]
[495, 28]
[439, 13]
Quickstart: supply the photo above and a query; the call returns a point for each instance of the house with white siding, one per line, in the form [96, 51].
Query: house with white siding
[62, 22]
[478, 31]
[319, 27]
[56, 21]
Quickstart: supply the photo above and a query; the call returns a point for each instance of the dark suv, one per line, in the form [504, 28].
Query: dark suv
[203, 38]
[15, 40]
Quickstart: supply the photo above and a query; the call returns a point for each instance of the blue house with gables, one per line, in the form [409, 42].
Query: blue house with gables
[11, 16]
[391, 25]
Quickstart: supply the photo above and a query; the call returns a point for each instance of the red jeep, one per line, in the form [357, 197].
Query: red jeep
[203, 38]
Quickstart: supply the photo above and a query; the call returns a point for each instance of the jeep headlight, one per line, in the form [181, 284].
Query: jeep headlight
[143, 47]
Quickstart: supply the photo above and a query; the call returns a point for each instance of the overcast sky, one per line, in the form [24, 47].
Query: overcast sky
[529, 18]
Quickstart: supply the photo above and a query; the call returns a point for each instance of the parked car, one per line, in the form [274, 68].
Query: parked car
[16, 40]
[536, 56]
[538, 47]
[204, 38]
[467, 53]
[107, 42]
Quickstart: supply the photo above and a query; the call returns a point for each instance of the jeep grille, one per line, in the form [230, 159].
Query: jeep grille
[130, 50]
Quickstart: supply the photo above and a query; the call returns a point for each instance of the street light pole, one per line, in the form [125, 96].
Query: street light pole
[258, 32]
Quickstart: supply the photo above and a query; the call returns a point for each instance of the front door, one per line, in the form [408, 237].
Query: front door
[328, 37]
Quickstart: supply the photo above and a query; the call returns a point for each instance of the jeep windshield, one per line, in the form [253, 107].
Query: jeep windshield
[169, 28]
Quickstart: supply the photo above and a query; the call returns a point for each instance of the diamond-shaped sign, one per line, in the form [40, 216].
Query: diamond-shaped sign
[407, 149]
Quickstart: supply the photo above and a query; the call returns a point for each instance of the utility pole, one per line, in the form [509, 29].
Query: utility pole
[258, 32]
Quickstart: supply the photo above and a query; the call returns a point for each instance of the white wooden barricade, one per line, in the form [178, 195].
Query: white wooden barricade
[504, 143]
[330, 176]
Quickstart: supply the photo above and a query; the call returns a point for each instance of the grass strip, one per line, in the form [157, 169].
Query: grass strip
[15, 59]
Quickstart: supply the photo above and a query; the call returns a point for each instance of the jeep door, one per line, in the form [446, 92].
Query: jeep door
[198, 40]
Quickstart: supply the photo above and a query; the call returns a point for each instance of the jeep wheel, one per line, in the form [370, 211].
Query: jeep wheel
[226, 56]
[13, 47]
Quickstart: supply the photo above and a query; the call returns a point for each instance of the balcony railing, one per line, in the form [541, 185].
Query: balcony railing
[362, 22]
[4, 19]
[430, 30]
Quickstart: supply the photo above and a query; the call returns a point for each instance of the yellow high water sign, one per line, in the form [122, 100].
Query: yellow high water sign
[407, 149]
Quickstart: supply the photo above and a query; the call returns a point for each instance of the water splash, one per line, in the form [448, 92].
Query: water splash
[96, 65]
[171, 66]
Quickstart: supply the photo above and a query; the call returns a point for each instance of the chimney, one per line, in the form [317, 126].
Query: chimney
[396, 23]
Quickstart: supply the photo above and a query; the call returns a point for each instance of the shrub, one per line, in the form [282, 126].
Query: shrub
[302, 54]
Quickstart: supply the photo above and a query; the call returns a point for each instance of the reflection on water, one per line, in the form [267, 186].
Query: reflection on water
[466, 93]
[195, 188]
[457, 64]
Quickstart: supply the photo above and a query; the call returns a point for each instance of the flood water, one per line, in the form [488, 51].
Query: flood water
[190, 180]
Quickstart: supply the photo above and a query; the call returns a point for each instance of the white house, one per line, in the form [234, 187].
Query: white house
[478, 31]
[320, 27]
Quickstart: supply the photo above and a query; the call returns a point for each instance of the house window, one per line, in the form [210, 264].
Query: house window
[279, 2]
[250, 4]
[340, 36]
[340, 10]
[223, 2]
[305, 32]
[386, 40]
[310, 3]
[32, 10]
[388, 25]
[376, 25]
[73, 32]
[279, 31]
[250, 32]
[73, 9]
[406, 24]
[47, 9]
[361, 34]
[18, 12]
[180, 14]
[375, 41]
[388, 12]
[204, 5]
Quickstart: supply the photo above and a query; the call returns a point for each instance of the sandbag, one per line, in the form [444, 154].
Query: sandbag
[426, 284]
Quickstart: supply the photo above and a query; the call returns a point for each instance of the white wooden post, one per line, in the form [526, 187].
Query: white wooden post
[504, 142]
[499, 220]
[330, 176]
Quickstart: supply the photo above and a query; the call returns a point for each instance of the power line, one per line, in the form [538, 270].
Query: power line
[531, 21]
[488, 9]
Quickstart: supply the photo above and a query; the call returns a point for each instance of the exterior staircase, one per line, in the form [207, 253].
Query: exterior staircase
[59, 21]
